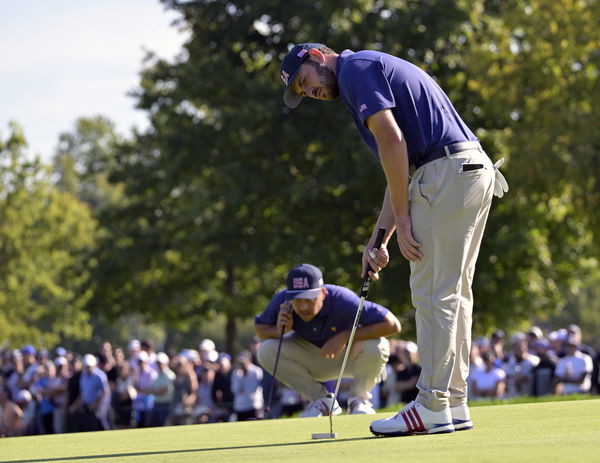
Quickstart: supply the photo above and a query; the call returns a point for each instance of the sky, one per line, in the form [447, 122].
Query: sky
[65, 59]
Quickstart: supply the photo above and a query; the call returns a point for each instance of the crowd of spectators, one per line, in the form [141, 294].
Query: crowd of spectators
[44, 392]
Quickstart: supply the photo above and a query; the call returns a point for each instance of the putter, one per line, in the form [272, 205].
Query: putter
[268, 407]
[363, 295]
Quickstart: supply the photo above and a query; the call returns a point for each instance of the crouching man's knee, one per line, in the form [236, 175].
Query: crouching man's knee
[376, 350]
[266, 354]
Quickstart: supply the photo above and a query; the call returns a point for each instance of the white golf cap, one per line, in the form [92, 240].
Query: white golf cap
[207, 344]
[163, 358]
[89, 360]
[23, 396]
[411, 347]
[134, 344]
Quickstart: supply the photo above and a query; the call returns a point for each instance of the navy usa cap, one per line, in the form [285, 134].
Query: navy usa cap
[304, 282]
[289, 68]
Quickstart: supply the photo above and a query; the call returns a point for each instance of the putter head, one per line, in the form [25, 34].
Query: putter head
[325, 435]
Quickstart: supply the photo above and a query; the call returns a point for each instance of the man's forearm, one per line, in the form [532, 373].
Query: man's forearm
[388, 327]
[265, 331]
[386, 219]
[394, 159]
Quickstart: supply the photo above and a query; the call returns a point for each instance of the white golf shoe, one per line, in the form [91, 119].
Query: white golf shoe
[321, 407]
[414, 418]
[358, 406]
[461, 417]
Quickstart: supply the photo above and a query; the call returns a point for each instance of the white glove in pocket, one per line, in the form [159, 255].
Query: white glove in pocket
[500, 183]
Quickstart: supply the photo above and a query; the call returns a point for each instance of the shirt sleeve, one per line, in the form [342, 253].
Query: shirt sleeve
[368, 89]
[269, 315]
[371, 313]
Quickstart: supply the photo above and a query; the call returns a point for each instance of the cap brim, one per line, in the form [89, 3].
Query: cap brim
[291, 98]
[308, 294]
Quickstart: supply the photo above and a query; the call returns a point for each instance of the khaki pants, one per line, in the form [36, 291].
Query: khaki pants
[302, 368]
[449, 209]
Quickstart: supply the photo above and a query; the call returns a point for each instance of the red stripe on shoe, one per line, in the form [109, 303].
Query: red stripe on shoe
[418, 419]
[409, 425]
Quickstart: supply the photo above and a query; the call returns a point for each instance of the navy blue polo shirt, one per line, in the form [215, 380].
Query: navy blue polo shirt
[371, 81]
[337, 314]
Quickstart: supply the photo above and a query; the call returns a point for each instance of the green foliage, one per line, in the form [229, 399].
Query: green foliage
[83, 160]
[229, 188]
[44, 235]
[197, 221]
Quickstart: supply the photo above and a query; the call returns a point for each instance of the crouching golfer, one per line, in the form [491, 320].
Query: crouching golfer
[317, 319]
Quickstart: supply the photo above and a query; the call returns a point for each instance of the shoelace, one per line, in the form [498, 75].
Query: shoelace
[322, 407]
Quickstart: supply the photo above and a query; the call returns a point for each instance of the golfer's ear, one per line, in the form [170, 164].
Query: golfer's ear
[317, 54]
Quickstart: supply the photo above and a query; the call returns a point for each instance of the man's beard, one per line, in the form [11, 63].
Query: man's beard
[328, 79]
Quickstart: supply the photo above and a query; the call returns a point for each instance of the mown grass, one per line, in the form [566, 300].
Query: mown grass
[545, 432]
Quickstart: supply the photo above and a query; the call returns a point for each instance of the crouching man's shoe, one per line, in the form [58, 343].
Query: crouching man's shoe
[321, 407]
[461, 417]
[414, 419]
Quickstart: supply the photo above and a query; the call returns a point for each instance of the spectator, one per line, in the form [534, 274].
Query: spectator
[518, 367]
[146, 345]
[74, 413]
[107, 362]
[42, 391]
[596, 375]
[575, 331]
[30, 366]
[245, 385]
[11, 415]
[483, 344]
[185, 390]
[123, 394]
[15, 375]
[143, 376]
[208, 351]
[94, 396]
[557, 341]
[497, 345]
[574, 370]
[162, 389]
[389, 393]
[133, 349]
[534, 334]
[205, 405]
[24, 400]
[59, 394]
[490, 382]
[542, 374]
[221, 389]
[408, 372]
[476, 365]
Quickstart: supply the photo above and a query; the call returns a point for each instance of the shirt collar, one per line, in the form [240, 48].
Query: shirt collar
[341, 59]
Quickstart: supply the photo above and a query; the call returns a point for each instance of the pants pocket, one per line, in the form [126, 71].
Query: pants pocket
[422, 187]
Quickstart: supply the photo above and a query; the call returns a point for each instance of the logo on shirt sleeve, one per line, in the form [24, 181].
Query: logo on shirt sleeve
[363, 107]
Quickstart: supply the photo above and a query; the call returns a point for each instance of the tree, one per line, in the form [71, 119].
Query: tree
[84, 158]
[229, 189]
[44, 237]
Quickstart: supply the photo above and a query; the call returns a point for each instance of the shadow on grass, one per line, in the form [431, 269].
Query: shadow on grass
[174, 452]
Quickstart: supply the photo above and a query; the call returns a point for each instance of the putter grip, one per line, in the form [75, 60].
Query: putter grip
[367, 281]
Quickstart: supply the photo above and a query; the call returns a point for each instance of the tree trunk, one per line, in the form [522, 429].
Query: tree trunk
[230, 326]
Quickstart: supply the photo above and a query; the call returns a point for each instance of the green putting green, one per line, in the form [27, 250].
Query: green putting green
[536, 432]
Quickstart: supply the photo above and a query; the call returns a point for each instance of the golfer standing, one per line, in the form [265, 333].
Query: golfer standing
[316, 319]
[407, 120]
